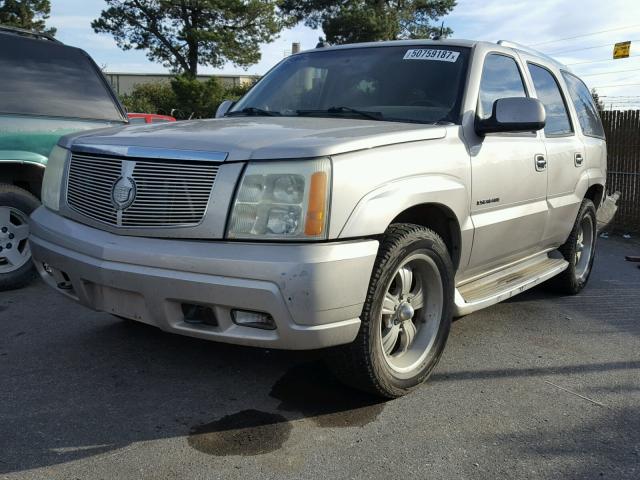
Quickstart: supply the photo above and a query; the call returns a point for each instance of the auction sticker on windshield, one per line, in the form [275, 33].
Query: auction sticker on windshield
[431, 54]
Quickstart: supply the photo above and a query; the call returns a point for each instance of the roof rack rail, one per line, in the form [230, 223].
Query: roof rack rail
[533, 51]
[28, 33]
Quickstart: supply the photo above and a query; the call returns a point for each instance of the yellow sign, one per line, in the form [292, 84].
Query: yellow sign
[621, 50]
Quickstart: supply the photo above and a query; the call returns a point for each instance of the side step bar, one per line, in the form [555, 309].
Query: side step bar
[506, 283]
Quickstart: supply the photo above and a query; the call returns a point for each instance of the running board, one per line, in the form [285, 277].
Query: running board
[506, 283]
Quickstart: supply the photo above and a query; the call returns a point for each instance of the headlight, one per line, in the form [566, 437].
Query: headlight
[53, 173]
[282, 201]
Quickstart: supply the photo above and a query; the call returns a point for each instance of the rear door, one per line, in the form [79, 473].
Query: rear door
[509, 184]
[565, 153]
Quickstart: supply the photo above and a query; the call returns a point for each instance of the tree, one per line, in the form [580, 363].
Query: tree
[197, 99]
[156, 97]
[28, 14]
[184, 97]
[349, 21]
[183, 34]
[597, 100]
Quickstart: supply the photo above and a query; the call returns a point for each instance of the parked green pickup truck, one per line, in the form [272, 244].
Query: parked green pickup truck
[47, 90]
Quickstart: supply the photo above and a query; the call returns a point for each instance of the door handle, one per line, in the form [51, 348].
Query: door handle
[541, 163]
[578, 159]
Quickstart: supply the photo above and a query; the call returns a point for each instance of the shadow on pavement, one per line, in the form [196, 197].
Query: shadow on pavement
[107, 384]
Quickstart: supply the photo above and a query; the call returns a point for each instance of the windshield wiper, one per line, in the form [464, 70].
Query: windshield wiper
[253, 111]
[343, 110]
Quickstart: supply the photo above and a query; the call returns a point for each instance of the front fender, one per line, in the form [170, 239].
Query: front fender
[376, 210]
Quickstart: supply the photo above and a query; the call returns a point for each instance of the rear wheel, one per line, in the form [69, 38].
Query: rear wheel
[579, 251]
[406, 316]
[16, 204]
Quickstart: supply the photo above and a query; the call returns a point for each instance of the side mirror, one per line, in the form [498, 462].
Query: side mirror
[518, 114]
[224, 108]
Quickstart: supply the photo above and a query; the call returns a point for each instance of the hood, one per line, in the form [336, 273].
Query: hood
[258, 138]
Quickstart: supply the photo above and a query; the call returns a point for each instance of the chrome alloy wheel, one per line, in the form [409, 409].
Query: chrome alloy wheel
[411, 313]
[14, 231]
[584, 247]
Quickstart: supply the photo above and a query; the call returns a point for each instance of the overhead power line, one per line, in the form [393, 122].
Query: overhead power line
[618, 85]
[586, 48]
[601, 61]
[584, 35]
[609, 73]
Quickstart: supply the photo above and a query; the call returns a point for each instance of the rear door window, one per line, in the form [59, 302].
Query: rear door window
[49, 79]
[585, 107]
[501, 78]
[548, 92]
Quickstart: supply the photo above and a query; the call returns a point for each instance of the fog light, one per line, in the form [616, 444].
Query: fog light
[253, 319]
[47, 268]
[198, 314]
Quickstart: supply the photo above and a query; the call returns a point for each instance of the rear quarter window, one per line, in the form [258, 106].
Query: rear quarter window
[48, 79]
[588, 115]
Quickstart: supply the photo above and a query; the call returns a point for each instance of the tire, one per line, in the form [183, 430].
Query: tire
[572, 280]
[373, 362]
[16, 268]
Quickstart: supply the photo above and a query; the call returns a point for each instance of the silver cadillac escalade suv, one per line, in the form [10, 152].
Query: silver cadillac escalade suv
[357, 198]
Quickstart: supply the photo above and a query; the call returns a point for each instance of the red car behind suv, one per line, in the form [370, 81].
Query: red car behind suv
[135, 118]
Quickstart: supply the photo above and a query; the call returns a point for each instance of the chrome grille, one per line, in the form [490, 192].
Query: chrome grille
[168, 193]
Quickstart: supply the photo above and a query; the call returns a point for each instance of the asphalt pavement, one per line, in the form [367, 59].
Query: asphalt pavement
[542, 387]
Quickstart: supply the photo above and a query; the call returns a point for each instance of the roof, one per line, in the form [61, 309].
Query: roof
[443, 42]
[396, 43]
[531, 51]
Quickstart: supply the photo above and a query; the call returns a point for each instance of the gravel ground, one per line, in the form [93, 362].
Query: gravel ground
[541, 386]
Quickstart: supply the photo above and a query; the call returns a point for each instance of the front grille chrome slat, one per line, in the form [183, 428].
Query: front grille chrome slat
[168, 193]
[102, 190]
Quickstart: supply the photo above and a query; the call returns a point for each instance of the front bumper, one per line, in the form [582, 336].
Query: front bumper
[313, 292]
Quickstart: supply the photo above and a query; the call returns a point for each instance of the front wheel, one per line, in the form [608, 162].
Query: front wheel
[16, 204]
[406, 317]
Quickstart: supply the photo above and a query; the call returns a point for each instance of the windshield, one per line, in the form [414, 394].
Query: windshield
[405, 84]
[45, 78]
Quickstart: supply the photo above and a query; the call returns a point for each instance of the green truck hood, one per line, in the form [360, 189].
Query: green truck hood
[28, 139]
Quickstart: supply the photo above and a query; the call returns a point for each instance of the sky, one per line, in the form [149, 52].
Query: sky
[540, 24]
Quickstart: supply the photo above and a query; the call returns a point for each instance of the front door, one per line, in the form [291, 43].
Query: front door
[509, 178]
